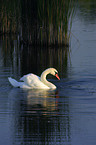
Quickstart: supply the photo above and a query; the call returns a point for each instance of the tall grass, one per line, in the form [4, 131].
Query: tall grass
[42, 22]
[9, 16]
[57, 18]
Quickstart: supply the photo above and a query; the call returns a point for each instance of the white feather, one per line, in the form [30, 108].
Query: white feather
[13, 82]
[31, 81]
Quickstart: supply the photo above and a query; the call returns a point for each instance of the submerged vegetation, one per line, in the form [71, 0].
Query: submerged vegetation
[37, 22]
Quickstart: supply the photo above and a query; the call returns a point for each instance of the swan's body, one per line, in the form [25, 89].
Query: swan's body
[31, 81]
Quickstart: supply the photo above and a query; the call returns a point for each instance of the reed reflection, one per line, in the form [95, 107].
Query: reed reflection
[36, 60]
[37, 118]
[23, 60]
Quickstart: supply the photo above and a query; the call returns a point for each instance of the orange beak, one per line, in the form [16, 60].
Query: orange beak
[57, 76]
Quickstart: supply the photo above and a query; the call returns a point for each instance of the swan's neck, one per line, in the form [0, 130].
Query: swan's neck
[44, 80]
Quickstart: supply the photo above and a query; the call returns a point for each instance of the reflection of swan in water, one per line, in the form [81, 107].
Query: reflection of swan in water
[31, 114]
[41, 99]
[31, 81]
[34, 100]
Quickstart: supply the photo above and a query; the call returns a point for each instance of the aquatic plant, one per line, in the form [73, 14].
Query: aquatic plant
[9, 16]
[38, 22]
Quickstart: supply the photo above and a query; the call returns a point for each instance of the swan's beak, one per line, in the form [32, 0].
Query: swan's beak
[57, 76]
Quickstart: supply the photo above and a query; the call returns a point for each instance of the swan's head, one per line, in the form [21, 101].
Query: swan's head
[54, 72]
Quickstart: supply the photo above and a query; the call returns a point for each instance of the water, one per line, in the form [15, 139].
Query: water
[64, 116]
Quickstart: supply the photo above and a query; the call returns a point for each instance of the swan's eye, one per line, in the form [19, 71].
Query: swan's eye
[56, 72]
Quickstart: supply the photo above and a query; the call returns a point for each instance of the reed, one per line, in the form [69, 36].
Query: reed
[9, 16]
[41, 22]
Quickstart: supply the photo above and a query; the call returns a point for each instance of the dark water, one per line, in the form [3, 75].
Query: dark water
[64, 116]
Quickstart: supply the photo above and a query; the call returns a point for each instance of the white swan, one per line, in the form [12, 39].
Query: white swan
[31, 81]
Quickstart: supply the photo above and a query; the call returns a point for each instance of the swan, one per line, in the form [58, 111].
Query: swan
[32, 81]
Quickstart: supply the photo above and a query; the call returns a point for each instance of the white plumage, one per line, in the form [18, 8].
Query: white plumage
[31, 81]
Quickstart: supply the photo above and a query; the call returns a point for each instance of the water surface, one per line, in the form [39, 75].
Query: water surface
[66, 115]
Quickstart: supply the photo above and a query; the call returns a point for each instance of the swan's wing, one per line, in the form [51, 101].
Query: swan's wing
[33, 81]
[29, 77]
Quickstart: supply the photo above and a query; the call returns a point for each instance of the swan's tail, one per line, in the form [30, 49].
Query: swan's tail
[13, 82]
